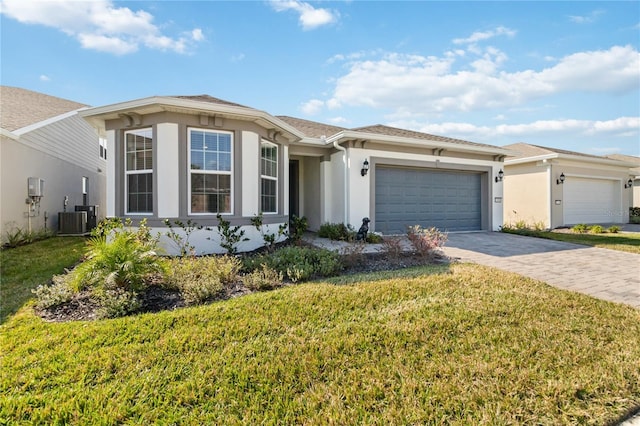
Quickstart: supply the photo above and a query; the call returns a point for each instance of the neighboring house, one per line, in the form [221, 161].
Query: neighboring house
[44, 137]
[635, 175]
[192, 157]
[560, 188]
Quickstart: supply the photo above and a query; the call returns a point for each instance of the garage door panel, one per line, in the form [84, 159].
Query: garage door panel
[448, 200]
[589, 200]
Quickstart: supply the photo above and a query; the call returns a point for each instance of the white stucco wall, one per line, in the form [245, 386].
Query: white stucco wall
[360, 186]
[111, 174]
[250, 174]
[167, 170]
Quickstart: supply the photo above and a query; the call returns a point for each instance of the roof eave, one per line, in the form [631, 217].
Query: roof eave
[8, 134]
[249, 113]
[400, 140]
[561, 156]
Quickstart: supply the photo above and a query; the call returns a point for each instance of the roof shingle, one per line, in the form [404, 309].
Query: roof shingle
[20, 107]
[311, 129]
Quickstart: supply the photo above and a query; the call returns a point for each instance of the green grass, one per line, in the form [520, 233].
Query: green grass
[629, 242]
[26, 267]
[456, 345]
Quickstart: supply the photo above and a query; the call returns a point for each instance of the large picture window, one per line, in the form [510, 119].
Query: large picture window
[139, 171]
[210, 169]
[268, 178]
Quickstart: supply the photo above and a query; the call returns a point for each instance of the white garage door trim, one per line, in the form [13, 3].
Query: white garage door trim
[592, 200]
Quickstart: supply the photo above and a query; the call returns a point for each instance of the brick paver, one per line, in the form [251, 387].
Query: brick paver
[606, 274]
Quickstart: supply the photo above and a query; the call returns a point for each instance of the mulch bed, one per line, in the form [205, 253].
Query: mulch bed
[156, 298]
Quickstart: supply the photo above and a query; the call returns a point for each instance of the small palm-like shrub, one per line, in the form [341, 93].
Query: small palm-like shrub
[596, 229]
[613, 229]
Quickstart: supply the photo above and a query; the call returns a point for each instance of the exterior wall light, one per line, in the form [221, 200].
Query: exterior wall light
[560, 181]
[500, 176]
[629, 183]
[365, 168]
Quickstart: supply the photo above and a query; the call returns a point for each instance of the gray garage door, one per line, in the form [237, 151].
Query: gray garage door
[448, 200]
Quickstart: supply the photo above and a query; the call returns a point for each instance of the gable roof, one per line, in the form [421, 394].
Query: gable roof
[210, 99]
[312, 129]
[527, 152]
[203, 105]
[20, 108]
[628, 159]
[381, 129]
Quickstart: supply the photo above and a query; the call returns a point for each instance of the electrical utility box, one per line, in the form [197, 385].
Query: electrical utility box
[35, 187]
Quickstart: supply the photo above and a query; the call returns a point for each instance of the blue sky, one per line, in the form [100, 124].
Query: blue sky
[562, 74]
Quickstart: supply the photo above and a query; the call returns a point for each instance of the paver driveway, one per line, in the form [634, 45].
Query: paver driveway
[602, 273]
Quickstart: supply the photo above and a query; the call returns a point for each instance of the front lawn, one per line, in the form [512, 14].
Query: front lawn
[629, 242]
[459, 344]
[26, 267]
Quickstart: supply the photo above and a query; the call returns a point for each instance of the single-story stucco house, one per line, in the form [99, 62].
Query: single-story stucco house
[635, 175]
[192, 157]
[51, 161]
[561, 188]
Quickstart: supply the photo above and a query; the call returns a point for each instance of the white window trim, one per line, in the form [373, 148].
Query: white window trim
[135, 172]
[212, 172]
[276, 178]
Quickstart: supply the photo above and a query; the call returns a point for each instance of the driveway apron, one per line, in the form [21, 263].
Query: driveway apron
[606, 274]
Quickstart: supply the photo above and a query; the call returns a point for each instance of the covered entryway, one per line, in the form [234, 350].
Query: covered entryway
[450, 200]
[588, 200]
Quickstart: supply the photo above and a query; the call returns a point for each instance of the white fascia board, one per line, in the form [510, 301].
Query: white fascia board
[399, 140]
[569, 157]
[311, 141]
[111, 111]
[39, 124]
[8, 134]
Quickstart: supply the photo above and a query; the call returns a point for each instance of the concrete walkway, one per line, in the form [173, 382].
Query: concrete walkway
[602, 273]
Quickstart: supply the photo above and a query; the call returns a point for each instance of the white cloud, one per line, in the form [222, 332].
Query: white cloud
[310, 18]
[430, 85]
[312, 107]
[99, 24]
[588, 19]
[197, 35]
[44, 78]
[237, 58]
[619, 127]
[338, 120]
[481, 36]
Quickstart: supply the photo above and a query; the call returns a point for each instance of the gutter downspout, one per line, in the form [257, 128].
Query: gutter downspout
[346, 181]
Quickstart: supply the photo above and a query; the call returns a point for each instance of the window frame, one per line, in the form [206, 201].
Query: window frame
[229, 173]
[275, 178]
[128, 173]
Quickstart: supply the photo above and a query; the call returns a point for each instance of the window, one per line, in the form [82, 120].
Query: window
[139, 171]
[85, 190]
[103, 148]
[268, 178]
[210, 168]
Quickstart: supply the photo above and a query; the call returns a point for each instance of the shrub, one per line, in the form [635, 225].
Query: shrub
[613, 229]
[16, 236]
[580, 228]
[298, 263]
[353, 253]
[374, 238]
[230, 236]
[336, 231]
[426, 241]
[58, 292]
[117, 302]
[201, 278]
[262, 279]
[596, 229]
[298, 227]
[181, 241]
[125, 261]
[392, 247]
[268, 238]
[634, 214]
